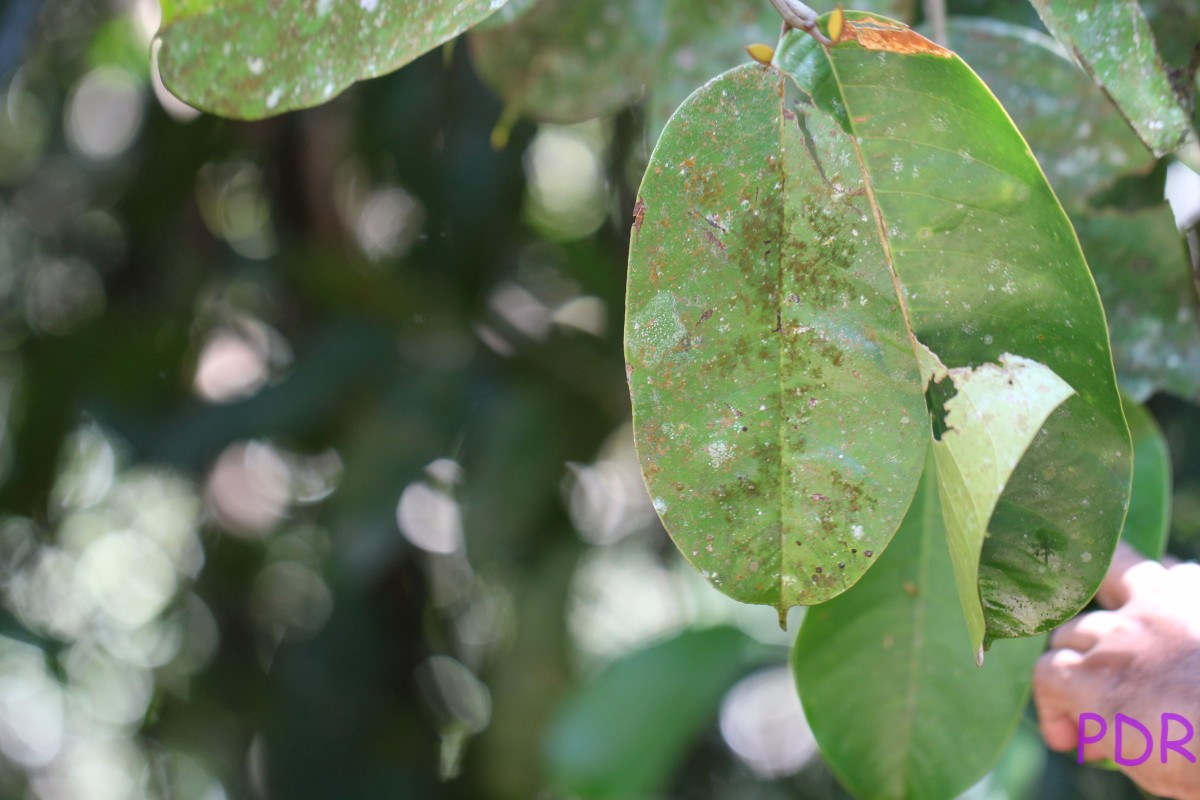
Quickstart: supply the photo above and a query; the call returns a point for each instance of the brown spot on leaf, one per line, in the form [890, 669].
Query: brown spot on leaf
[639, 215]
[878, 34]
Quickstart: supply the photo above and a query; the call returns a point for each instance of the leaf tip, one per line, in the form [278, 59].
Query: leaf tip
[762, 53]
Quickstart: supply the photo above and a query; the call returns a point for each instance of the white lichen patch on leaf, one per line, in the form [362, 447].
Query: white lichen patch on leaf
[658, 329]
[991, 421]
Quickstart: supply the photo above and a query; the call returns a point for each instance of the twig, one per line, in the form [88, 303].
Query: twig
[797, 15]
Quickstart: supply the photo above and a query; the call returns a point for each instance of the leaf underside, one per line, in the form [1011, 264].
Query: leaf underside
[249, 59]
[883, 681]
[1132, 73]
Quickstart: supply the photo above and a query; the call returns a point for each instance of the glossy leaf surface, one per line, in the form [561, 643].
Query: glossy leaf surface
[622, 735]
[786, 258]
[989, 265]
[1080, 139]
[247, 59]
[990, 421]
[1114, 43]
[883, 680]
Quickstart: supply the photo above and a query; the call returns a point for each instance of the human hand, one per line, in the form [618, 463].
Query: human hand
[1141, 659]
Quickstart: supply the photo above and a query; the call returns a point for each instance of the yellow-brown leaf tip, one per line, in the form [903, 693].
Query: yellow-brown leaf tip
[837, 23]
[761, 53]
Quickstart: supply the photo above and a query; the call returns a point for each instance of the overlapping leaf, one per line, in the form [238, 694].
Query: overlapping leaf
[248, 59]
[883, 680]
[988, 264]
[788, 261]
[990, 421]
[1114, 43]
[1138, 258]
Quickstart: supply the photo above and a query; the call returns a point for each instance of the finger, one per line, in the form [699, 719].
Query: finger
[1064, 681]
[1129, 573]
[1083, 632]
[1059, 730]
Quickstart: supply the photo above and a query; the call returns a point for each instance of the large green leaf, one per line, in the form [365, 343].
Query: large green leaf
[778, 408]
[1077, 134]
[622, 735]
[1114, 43]
[571, 60]
[1142, 269]
[249, 59]
[1149, 517]
[787, 259]
[898, 711]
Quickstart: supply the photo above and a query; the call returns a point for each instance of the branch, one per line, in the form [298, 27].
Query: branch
[797, 15]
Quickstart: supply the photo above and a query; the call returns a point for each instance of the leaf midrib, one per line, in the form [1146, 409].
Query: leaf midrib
[920, 602]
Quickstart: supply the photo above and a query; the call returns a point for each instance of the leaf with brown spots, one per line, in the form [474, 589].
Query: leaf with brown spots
[250, 59]
[839, 214]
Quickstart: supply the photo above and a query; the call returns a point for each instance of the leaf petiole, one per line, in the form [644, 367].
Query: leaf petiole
[797, 15]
